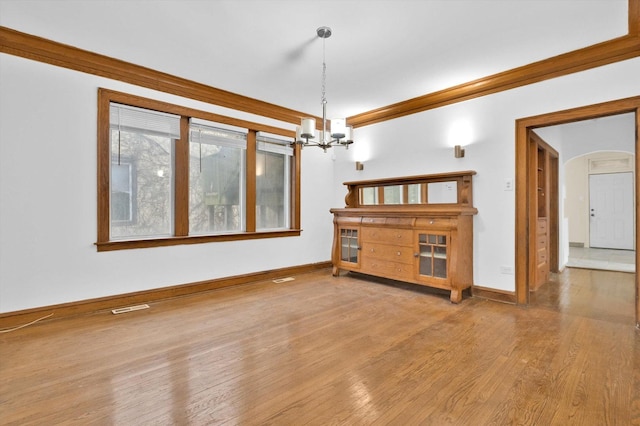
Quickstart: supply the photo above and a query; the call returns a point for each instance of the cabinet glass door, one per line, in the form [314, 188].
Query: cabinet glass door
[349, 245]
[432, 255]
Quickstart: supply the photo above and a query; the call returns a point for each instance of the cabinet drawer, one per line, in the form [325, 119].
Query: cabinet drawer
[542, 256]
[541, 242]
[436, 223]
[385, 268]
[402, 254]
[542, 227]
[388, 235]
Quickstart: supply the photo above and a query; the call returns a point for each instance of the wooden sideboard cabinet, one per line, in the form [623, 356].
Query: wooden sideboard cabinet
[417, 229]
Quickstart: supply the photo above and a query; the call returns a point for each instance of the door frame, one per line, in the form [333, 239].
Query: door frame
[525, 204]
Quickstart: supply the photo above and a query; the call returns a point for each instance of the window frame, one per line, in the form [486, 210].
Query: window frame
[181, 171]
[267, 149]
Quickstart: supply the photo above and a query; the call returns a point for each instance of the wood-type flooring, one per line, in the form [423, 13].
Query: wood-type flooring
[321, 350]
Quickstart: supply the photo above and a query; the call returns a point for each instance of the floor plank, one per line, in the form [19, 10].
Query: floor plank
[326, 350]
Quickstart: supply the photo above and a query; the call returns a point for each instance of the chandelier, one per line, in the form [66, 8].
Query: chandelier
[341, 134]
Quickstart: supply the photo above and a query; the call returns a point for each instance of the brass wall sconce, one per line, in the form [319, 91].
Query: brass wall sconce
[458, 151]
[359, 166]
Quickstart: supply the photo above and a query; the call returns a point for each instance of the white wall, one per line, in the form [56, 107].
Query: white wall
[48, 199]
[48, 183]
[419, 144]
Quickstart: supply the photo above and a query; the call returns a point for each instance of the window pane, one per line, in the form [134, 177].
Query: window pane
[272, 190]
[215, 188]
[122, 192]
[141, 184]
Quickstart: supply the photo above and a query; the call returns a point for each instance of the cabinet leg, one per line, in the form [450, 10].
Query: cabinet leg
[335, 271]
[456, 296]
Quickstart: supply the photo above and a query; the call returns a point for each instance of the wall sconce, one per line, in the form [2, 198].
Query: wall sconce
[359, 166]
[458, 151]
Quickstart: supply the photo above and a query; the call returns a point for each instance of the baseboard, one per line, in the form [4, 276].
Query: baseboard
[16, 318]
[494, 294]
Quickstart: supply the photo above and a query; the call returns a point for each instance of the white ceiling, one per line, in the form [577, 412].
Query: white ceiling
[381, 51]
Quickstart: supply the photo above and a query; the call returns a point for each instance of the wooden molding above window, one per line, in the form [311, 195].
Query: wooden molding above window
[43, 50]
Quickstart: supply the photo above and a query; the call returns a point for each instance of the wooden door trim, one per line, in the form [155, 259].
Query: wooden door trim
[523, 193]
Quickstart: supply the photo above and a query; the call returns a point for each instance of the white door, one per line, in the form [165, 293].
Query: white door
[611, 213]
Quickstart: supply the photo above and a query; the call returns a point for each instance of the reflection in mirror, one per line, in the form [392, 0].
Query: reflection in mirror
[369, 196]
[414, 194]
[393, 194]
[442, 192]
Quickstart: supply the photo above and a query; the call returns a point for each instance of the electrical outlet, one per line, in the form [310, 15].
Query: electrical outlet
[508, 184]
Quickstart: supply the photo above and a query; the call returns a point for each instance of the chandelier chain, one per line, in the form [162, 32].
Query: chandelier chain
[324, 74]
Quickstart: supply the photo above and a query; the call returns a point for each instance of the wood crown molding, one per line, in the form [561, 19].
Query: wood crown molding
[608, 52]
[40, 49]
[36, 48]
[605, 53]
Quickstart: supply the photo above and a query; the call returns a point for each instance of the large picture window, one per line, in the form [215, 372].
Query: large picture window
[173, 175]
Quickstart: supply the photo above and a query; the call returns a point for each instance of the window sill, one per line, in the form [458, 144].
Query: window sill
[198, 239]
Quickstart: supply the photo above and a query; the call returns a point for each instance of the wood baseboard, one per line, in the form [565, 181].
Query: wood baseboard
[494, 294]
[17, 318]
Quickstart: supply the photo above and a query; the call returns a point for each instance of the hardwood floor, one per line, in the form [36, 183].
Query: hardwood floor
[321, 350]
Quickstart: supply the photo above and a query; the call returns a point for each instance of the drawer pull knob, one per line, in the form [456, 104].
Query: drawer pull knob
[398, 253]
[431, 222]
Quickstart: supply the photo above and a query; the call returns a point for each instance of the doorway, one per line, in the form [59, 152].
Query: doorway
[526, 213]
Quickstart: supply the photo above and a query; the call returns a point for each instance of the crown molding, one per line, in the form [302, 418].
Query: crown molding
[608, 52]
[605, 53]
[43, 50]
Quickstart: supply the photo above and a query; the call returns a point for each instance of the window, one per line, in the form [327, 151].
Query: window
[273, 165]
[216, 179]
[145, 139]
[174, 175]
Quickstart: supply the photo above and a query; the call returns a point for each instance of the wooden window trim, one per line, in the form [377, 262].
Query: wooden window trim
[181, 201]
